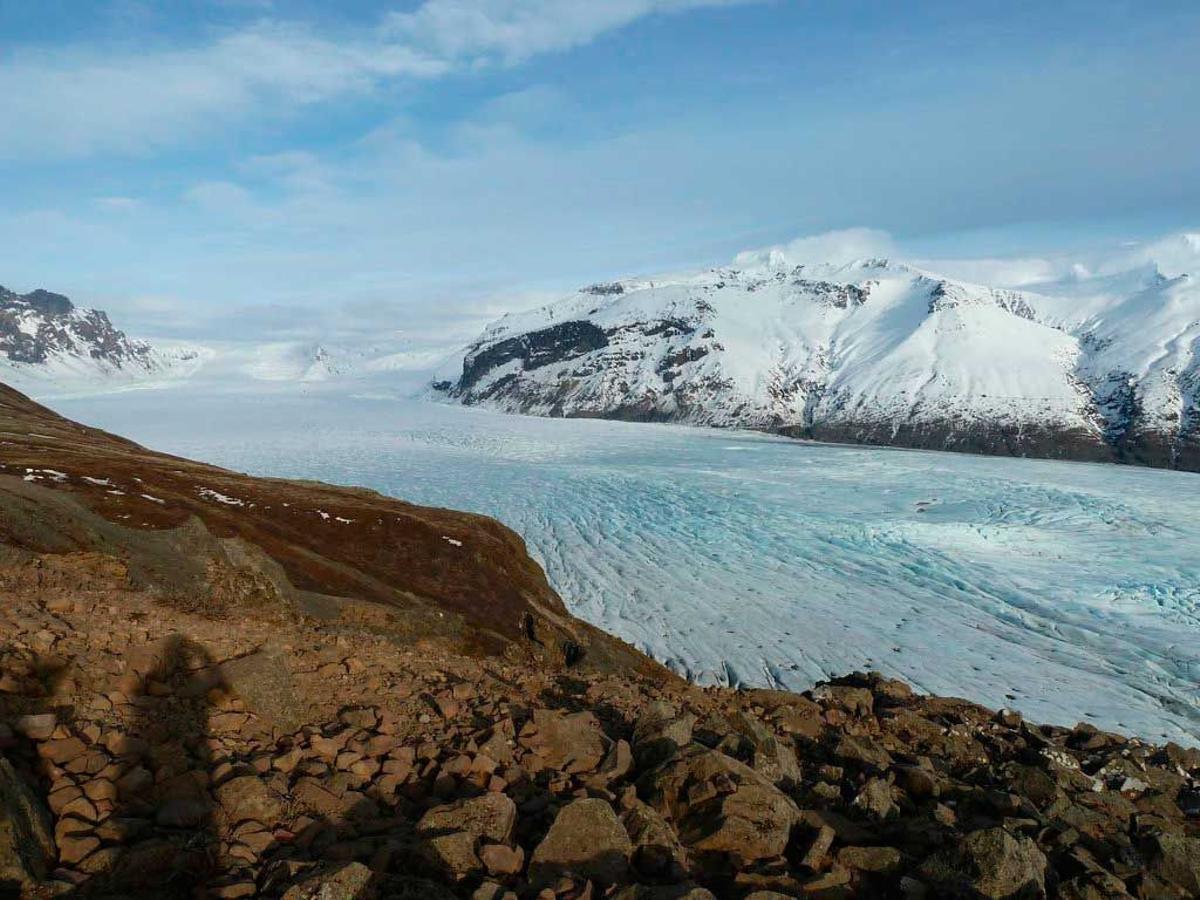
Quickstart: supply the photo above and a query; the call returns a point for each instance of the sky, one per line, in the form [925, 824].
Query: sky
[260, 167]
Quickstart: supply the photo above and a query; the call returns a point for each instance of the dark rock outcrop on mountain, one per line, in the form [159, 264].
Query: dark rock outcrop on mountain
[213, 685]
[39, 326]
[873, 352]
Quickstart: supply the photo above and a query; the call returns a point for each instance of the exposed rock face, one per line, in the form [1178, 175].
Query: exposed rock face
[873, 352]
[41, 329]
[411, 763]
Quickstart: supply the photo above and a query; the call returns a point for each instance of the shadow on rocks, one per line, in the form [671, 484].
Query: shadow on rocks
[162, 827]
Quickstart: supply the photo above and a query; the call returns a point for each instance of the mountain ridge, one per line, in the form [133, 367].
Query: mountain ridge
[872, 351]
[45, 337]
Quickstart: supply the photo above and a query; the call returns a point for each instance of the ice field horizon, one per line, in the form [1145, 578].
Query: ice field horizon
[1065, 590]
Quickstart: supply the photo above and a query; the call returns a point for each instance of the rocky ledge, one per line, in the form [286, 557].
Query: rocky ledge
[231, 735]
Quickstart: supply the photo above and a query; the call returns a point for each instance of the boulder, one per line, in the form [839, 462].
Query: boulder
[657, 853]
[247, 798]
[587, 841]
[990, 863]
[453, 855]
[882, 860]
[1177, 860]
[719, 805]
[491, 817]
[264, 682]
[751, 742]
[571, 743]
[352, 881]
[27, 850]
[660, 732]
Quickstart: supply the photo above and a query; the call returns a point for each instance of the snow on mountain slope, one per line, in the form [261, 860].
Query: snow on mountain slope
[871, 351]
[45, 340]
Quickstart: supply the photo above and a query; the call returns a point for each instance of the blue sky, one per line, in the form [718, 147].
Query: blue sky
[228, 166]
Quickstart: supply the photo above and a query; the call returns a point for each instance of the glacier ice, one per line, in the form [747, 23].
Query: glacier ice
[1065, 590]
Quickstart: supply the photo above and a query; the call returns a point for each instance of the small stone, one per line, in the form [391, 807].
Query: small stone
[502, 860]
[36, 728]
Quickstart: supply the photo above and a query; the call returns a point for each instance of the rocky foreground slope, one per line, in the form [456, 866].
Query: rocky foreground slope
[874, 352]
[219, 686]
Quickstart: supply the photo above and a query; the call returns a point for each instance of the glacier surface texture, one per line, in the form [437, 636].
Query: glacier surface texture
[1064, 590]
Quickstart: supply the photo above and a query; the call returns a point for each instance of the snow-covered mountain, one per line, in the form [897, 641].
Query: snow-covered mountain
[872, 351]
[46, 339]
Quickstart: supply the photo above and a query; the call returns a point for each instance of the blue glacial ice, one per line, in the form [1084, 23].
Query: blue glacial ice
[1068, 591]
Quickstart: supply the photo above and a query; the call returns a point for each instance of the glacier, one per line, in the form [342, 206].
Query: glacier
[1064, 590]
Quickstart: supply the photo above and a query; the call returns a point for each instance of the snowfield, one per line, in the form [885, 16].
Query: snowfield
[1059, 589]
[873, 351]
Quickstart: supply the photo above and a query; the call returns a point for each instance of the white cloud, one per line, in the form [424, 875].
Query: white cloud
[73, 103]
[81, 100]
[514, 30]
[117, 203]
[837, 247]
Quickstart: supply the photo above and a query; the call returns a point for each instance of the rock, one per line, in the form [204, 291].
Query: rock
[657, 852]
[63, 750]
[753, 743]
[875, 799]
[882, 860]
[73, 848]
[501, 860]
[453, 855]
[263, 681]
[617, 764]
[992, 863]
[660, 732]
[352, 881]
[814, 856]
[862, 751]
[27, 849]
[570, 743]
[491, 817]
[36, 728]
[857, 701]
[664, 892]
[587, 840]
[360, 717]
[1177, 860]
[246, 797]
[720, 805]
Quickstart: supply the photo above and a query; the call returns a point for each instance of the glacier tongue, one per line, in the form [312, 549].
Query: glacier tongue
[1065, 590]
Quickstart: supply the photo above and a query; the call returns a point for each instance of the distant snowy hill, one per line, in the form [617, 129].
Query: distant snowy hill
[873, 351]
[50, 348]
[46, 340]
